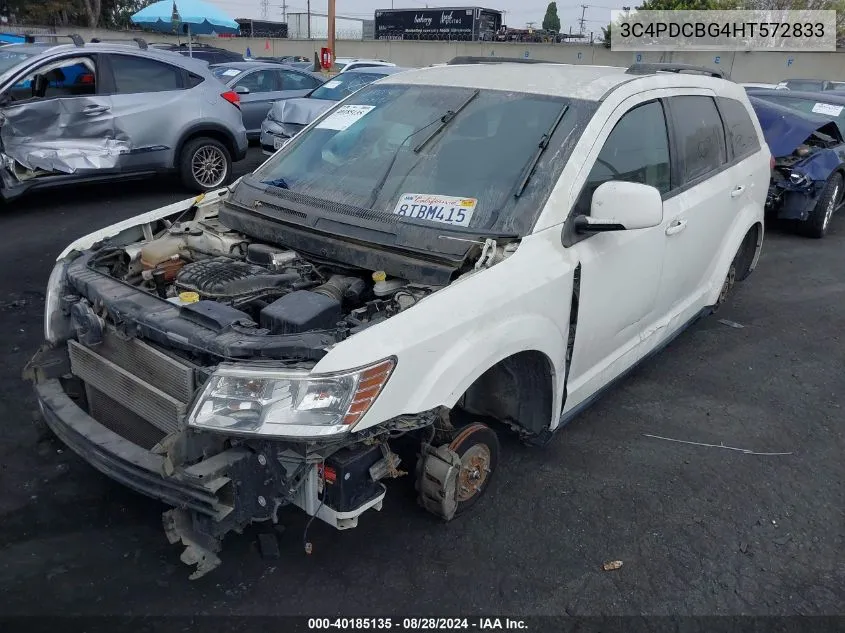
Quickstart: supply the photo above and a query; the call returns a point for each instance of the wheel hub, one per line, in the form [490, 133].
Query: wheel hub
[475, 468]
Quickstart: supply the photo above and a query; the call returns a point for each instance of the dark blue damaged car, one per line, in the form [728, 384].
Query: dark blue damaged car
[808, 178]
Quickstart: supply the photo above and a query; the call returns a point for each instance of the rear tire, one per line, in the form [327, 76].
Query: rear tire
[205, 164]
[816, 225]
[730, 280]
[745, 256]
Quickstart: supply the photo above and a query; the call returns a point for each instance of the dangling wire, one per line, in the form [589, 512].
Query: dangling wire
[307, 545]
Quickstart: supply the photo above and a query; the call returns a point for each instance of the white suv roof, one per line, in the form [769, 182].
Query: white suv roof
[351, 60]
[591, 83]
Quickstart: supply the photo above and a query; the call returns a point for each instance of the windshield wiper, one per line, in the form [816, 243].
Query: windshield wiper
[528, 170]
[444, 121]
[380, 185]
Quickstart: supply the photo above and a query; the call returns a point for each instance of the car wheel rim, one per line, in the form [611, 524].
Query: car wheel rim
[208, 166]
[830, 207]
[475, 468]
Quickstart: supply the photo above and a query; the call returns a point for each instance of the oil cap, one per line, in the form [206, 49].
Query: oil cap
[189, 297]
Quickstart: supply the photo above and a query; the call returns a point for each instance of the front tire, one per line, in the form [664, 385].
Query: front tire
[816, 225]
[205, 164]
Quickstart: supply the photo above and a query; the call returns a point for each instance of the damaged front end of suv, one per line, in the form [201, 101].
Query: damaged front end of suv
[294, 339]
[179, 362]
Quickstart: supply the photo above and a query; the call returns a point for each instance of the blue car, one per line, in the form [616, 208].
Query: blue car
[807, 183]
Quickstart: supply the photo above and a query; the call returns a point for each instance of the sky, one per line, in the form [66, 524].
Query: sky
[518, 12]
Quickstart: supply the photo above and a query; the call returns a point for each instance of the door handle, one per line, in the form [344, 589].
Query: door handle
[737, 191]
[94, 109]
[676, 227]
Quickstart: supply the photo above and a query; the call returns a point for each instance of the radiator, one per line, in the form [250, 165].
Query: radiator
[132, 386]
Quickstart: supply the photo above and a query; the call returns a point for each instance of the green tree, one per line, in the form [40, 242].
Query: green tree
[688, 5]
[116, 13]
[551, 21]
[605, 34]
[90, 13]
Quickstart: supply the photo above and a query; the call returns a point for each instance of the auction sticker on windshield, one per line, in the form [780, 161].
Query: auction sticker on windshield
[334, 83]
[344, 117]
[447, 209]
[826, 108]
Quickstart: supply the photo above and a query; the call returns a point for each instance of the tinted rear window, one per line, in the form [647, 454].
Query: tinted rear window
[138, 74]
[701, 136]
[742, 136]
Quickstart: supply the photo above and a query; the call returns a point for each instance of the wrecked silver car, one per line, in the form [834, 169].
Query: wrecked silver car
[81, 113]
[288, 117]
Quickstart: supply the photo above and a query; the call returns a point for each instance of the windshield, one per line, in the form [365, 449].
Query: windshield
[225, 73]
[811, 106]
[344, 85]
[433, 153]
[10, 59]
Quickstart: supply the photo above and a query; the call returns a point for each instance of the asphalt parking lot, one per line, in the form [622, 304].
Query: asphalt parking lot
[700, 529]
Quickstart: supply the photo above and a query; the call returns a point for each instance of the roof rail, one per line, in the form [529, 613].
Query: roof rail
[652, 68]
[140, 41]
[77, 39]
[496, 60]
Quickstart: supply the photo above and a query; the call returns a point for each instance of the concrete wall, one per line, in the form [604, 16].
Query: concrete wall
[768, 67]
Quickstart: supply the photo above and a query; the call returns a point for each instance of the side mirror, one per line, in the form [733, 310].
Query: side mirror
[242, 90]
[40, 83]
[622, 206]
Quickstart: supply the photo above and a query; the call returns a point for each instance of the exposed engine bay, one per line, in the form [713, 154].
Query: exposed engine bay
[249, 298]
[149, 317]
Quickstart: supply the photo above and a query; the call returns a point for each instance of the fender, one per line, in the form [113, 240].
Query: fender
[199, 128]
[454, 373]
[750, 215]
[452, 337]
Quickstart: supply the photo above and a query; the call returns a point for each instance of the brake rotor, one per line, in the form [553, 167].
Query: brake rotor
[476, 461]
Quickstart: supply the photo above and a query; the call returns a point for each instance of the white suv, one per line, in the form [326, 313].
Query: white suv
[447, 254]
[345, 64]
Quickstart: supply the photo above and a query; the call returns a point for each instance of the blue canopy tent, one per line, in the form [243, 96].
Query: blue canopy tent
[185, 16]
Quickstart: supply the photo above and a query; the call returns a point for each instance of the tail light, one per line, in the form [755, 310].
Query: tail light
[232, 97]
[771, 162]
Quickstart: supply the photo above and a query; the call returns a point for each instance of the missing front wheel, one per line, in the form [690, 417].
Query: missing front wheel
[452, 477]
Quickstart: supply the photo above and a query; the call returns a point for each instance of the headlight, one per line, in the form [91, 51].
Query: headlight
[56, 324]
[797, 178]
[297, 404]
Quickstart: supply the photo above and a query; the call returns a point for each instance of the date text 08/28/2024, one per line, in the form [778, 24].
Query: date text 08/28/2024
[416, 624]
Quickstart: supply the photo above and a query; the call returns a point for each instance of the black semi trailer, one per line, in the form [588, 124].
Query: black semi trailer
[453, 23]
